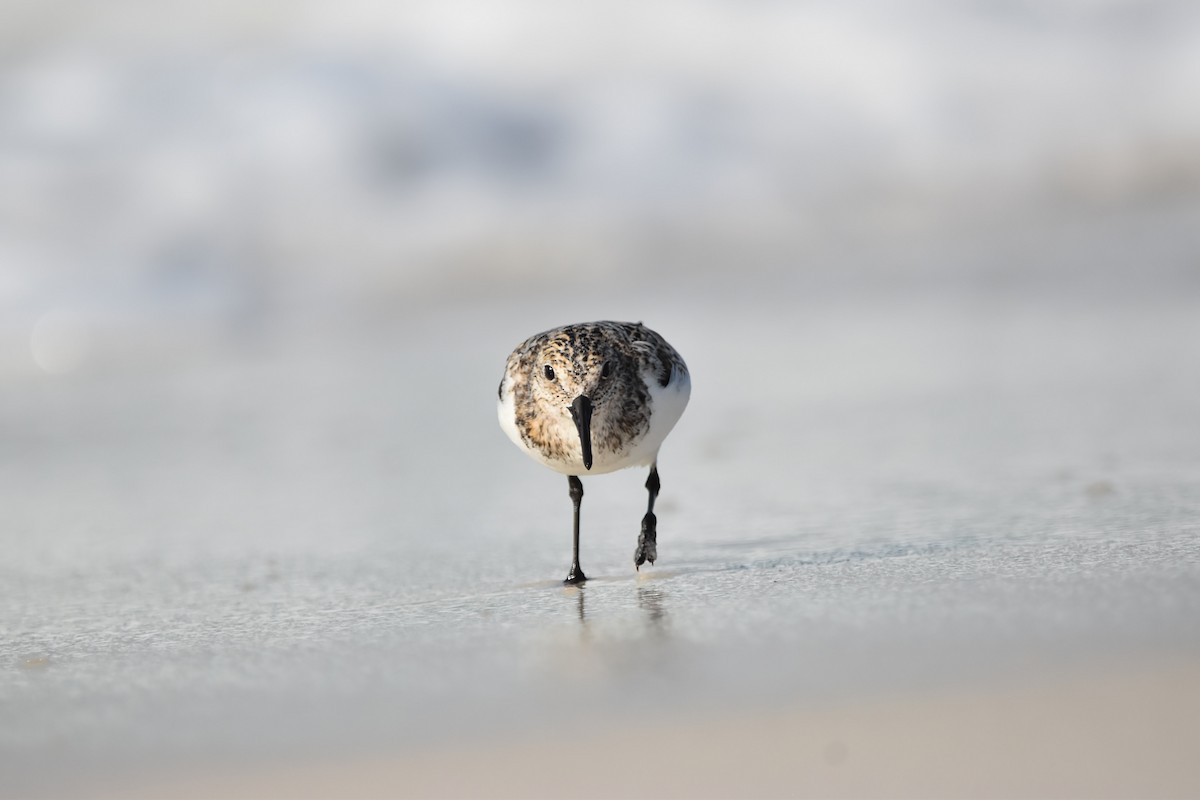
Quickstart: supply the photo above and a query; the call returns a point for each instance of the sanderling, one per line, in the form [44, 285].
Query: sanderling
[595, 397]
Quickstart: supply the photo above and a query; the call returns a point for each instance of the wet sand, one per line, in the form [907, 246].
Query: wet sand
[913, 540]
[1095, 731]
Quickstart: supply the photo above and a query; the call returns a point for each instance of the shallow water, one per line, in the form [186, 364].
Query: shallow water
[319, 541]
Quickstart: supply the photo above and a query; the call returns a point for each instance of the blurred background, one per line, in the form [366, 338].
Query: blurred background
[212, 170]
[935, 267]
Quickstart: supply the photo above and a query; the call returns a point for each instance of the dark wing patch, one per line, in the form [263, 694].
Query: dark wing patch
[665, 366]
[650, 342]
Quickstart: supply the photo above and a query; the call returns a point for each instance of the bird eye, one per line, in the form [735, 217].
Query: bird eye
[606, 370]
[549, 372]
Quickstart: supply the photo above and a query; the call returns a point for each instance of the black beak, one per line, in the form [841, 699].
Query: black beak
[581, 412]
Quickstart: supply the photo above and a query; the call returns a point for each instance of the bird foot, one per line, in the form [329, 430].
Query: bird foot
[647, 546]
[575, 576]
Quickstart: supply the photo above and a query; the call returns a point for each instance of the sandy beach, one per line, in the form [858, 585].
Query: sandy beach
[1095, 731]
[946, 581]
[1009, 608]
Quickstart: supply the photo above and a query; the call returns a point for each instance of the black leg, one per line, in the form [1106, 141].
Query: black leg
[647, 546]
[576, 574]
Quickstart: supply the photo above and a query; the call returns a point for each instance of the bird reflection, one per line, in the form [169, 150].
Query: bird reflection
[651, 602]
[581, 606]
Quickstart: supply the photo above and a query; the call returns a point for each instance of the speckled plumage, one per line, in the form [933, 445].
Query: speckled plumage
[634, 386]
[641, 364]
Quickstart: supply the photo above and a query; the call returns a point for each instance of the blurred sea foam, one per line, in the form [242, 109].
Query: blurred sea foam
[207, 169]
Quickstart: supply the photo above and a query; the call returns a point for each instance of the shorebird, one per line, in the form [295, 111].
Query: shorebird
[595, 397]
